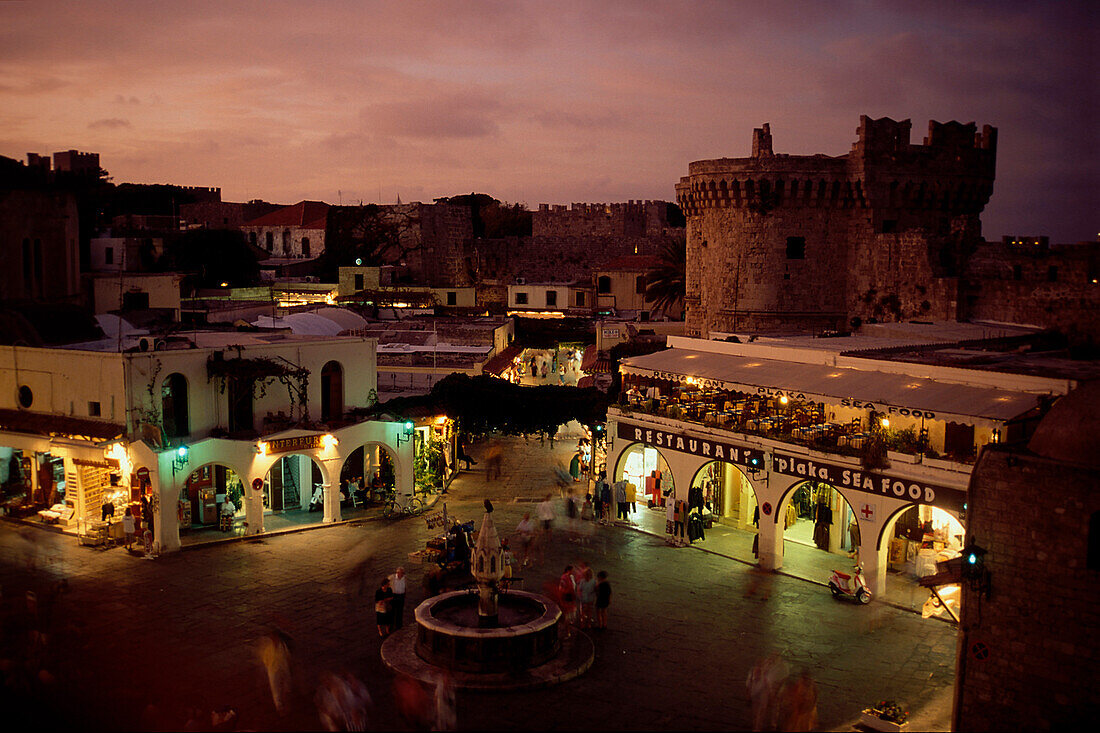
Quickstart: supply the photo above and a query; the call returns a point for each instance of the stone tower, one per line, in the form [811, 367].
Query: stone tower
[783, 242]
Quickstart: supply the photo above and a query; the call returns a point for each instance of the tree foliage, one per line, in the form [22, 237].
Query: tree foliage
[483, 404]
[368, 234]
[491, 218]
[213, 256]
[667, 282]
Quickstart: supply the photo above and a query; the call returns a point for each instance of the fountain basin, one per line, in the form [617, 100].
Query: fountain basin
[448, 634]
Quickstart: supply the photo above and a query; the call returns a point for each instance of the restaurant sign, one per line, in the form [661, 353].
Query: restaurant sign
[297, 443]
[869, 482]
[706, 447]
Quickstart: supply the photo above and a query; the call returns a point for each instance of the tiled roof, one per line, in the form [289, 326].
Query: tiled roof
[305, 214]
[37, 423]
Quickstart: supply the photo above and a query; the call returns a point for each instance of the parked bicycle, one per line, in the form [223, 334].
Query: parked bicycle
[391, 508]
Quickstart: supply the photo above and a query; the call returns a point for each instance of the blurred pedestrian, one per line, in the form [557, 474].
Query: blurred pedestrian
[383, 607]
[620, 499]
[603, 599]
[446, 717]
[274, 651]
[415, 703]
[763, 683]
[567, 593]
[797, 704]
[398, 584]
[586, 593]
[525, 531]
[343, 702]
[493, 459]
[545, 511]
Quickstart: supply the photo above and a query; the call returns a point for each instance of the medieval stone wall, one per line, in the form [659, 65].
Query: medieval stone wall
[780, 241]
[1028, 654]
[1055, 287]
[630, 219]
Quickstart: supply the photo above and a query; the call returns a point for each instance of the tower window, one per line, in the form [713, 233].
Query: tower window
[796, 248]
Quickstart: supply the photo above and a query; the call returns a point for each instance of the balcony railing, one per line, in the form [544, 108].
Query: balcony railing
[799, 423]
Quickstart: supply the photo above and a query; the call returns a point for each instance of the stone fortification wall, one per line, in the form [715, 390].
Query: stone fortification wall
[779, 241]
[557, 258]
[1028, 652]
[1053, 287]
[630, 219]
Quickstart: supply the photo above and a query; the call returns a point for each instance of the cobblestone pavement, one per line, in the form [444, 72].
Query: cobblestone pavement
[685, 627]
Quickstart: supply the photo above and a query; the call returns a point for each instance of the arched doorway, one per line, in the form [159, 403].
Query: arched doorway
[914, 540]
[332, 391]
[817, 521]
[369, 473]
[173, 398]
[294, 483]
[728, 496]
[202, 501]
[640, 462]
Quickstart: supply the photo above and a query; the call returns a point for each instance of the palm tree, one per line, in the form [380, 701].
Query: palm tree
[665, 283]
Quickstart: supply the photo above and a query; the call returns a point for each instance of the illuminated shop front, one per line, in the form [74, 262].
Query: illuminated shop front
[855, 457]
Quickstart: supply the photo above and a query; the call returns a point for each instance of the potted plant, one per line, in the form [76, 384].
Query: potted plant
[888, 715]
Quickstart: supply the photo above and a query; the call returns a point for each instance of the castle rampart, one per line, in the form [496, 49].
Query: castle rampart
[815, 241]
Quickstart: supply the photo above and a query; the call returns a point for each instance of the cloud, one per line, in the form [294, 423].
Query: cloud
[110, 123]
[598, 99]
[450, 115]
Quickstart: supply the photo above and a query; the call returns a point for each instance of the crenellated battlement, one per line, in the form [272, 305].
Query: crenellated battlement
[632, 219]
[815, 240]
[952, 171]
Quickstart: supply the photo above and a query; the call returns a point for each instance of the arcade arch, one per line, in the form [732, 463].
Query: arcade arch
[639, 462]
[203, 493]
[728, 495]
[913, 540]
[291, 484]
[373, 468]
[817, 515]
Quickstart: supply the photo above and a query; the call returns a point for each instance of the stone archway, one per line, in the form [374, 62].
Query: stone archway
[374, 467]
[731, 503]
[802, 533]
[637, 461]
[201, 495]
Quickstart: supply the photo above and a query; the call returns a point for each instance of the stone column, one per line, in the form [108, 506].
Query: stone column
[332, 502]
[770, 538]
[874, 563]
[254, 507]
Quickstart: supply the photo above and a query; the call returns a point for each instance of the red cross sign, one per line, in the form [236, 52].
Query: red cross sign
[867, 511]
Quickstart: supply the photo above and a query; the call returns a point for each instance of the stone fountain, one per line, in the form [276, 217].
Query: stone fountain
[489, 638]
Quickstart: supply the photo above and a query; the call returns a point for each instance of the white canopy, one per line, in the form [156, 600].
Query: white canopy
[836, 385]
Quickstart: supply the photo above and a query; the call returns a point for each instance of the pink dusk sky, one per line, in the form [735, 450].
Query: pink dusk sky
[549, 102]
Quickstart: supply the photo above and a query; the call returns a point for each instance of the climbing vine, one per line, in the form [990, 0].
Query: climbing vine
[260, 373]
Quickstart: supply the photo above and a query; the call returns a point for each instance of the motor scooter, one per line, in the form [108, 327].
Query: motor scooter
[854, 586]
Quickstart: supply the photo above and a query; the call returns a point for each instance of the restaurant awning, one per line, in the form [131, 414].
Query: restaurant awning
[595, 362]
[37, 423]
[842, 386]
[497, 364]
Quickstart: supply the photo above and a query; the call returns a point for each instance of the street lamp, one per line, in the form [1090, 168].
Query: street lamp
[179, 460]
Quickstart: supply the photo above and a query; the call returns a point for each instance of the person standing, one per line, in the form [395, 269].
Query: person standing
[383, 598]
[631, 499]
[605, 499]
[603, 599]
[398, 583]
[128, 527]
[620, 499]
